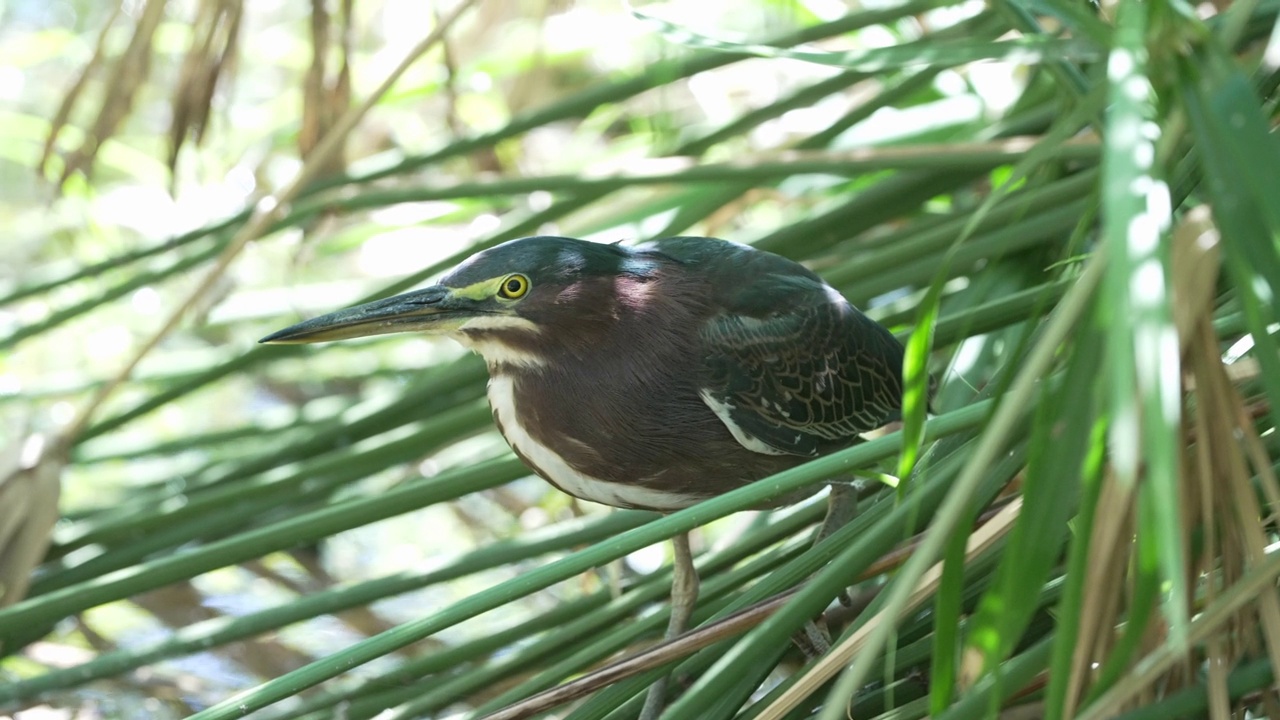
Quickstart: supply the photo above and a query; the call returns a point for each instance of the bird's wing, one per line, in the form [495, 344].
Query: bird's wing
[792, 379]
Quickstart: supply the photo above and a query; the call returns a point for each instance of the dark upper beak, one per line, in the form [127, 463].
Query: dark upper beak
[431, 309]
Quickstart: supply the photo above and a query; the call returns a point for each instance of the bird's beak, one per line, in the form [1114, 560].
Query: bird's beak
[435, 309]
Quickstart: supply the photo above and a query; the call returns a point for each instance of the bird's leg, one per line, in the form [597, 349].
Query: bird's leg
[684, 598]
[684, 587]
[842, 507]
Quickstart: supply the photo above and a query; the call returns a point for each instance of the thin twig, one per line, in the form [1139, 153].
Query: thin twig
[1261, 578]
[838, 658]
[691, 642]
[653, 657]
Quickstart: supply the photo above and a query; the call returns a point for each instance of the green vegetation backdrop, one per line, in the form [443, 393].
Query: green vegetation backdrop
[1070, 211]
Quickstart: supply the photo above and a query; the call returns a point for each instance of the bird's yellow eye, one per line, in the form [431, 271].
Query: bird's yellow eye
[514, 287]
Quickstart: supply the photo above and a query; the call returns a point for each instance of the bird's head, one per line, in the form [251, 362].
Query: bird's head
[504, 302]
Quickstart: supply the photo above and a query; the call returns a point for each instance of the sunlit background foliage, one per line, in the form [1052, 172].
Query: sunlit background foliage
[1074, 206]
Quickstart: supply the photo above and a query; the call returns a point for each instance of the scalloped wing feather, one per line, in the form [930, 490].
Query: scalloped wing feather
[803, 379]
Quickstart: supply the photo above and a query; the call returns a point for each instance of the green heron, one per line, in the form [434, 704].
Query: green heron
[653, 376]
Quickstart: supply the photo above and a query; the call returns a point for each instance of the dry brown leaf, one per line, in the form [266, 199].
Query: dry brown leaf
[1219, 699]
[1148, 671]
[1108, 563]
[324, 100]
[1217, 471]
[1219, 502]
[125, 77]
[256, 224]
[73, 94]
[1194, 271]
[30, 484]
[217, 33]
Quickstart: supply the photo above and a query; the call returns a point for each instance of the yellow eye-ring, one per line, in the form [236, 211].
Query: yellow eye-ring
[514, 287]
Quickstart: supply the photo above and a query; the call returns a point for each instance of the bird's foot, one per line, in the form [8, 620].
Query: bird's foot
[812, 639]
